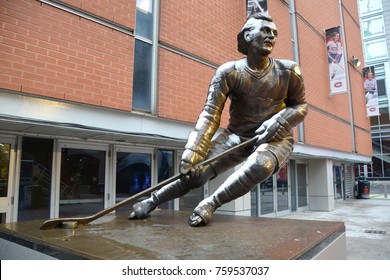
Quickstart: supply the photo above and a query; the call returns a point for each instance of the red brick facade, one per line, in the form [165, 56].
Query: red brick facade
[49, 52]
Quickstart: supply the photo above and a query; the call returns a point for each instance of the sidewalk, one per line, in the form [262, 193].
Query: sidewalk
[367, 223]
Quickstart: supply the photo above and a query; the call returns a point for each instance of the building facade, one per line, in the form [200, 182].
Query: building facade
[375, 20]
[98, 98]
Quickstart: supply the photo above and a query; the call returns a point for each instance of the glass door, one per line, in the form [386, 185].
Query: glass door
[282, 191]
[6, 172]
[338, 181]
[82, 180]
[272, 197]
[133, 173]
[267, 201]
[190, 200]
[302, 185]
[165, 170]
[35, 174]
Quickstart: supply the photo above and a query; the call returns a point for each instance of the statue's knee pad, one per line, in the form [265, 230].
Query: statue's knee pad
[259, 166]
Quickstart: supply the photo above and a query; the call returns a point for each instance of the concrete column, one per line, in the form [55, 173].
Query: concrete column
[321, 194]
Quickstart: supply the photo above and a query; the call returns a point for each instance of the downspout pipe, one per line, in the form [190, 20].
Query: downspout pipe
[348, 78]
[295, 47]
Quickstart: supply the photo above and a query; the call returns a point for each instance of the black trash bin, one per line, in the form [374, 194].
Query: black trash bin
[363, 188]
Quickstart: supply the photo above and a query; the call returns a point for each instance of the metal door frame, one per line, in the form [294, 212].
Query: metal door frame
[7, 203]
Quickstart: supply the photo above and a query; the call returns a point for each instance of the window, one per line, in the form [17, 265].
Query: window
[373, 27]
[142, 83]
[144, 19]
[381, 87]
[370, 6]
[386, 145]
[375, 50]
[143, 57]
[384, 116]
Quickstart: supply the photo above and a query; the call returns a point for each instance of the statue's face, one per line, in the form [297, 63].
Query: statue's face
[262, 36]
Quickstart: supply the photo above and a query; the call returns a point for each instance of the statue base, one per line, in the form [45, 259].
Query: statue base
[166, 235]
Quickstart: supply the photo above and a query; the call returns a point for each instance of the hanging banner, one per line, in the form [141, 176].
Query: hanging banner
[371, 91]
[256, 6]
[335, 53]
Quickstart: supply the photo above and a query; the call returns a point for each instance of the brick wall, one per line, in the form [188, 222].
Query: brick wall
[206, 29]
[324, 131]
[118, 11]
[281, 16]
[52, 53]
[321, 130]
[183, 86]
[49, 52]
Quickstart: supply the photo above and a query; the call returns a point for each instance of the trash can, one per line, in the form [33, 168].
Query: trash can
[363, 188]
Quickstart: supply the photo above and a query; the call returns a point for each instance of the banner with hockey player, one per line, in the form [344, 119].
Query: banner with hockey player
[371, 91]
[335, 53]
[256, 6]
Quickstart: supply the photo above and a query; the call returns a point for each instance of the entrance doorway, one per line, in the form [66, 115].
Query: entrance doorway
[133, 173]
[339, 181]
[299, 185]
[82, 179]
[272, 197]
[35, 179]
[7, 159]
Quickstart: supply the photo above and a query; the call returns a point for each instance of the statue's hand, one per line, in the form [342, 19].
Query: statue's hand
[276, 128]
[188, 163]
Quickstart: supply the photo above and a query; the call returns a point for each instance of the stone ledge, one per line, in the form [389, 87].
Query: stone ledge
[166, 235]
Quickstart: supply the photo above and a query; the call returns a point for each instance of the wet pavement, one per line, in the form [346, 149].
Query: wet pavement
[367, 224]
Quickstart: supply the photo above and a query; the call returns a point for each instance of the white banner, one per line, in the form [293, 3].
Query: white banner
[371, 91]
[256, 6]
[335, 55]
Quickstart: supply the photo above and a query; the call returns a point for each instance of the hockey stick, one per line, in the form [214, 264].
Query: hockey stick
[337, 63]
[74, 222]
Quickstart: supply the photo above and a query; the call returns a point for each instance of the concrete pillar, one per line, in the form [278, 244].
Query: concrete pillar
[321, 194]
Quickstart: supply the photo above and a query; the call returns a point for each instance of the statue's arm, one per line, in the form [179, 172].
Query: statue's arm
[282, 123]
[199, 140]
[297, 107]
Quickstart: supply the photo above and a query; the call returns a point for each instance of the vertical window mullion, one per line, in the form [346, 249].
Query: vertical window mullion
[145, 56]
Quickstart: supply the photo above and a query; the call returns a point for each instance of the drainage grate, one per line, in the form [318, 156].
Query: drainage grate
[375, 231]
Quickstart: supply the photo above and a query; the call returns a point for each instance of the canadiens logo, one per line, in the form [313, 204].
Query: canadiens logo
[372, 109]
[338, 84]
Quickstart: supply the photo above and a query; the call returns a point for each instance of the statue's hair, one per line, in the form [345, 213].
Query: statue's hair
[242, 44]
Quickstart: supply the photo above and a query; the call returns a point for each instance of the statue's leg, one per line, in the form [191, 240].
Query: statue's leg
[171, 191]
[179, 188]
[258, 167]
[261, 164]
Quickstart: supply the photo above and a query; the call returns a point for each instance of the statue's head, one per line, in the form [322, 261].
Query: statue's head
[242, 43]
